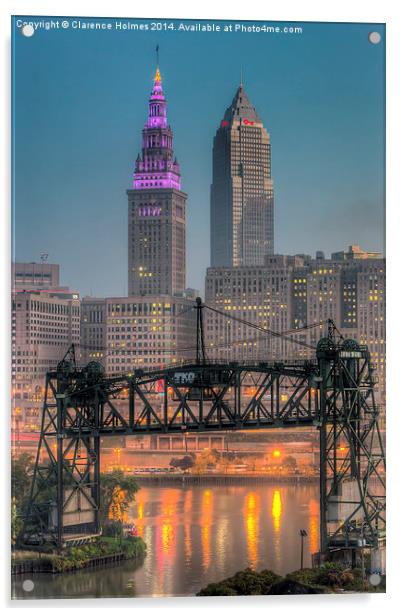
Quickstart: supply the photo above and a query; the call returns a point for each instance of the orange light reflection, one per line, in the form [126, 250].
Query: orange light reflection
[276, 510]
[251, 520]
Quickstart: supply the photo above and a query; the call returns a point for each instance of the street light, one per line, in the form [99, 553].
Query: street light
[184, 428]
[303, 534]
[117, 450]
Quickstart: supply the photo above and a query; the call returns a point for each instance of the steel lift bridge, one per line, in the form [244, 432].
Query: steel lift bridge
[333, 393]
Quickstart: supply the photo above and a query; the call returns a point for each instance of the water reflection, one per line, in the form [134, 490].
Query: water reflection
[252, 512]
[276, 513]
[197, 535]
[314, 519]
[206, 523]
[277, 510]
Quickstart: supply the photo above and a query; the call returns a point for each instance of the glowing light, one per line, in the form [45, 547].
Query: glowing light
[276, 453]
[167, 537]
[206, 523]
[251, 519]
[314, 513]
[276, 510]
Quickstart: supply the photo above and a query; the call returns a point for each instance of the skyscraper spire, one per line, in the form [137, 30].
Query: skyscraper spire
[157, 78]
[156, 207]
[157, 167]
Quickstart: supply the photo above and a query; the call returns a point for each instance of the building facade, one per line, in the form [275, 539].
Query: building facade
[44, 323]
[258, 294]
[242, 197]
[148, 332]
[289, 293]
[27, 276]
[125, 333]
[156, 209]
[93, 329]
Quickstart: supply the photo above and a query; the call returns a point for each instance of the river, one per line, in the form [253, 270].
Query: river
[196, 535]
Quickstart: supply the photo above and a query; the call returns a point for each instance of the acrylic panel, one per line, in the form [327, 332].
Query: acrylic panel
[198, 307]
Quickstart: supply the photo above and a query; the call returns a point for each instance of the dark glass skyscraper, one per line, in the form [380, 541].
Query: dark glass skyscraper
[156, 209]
[242, 197]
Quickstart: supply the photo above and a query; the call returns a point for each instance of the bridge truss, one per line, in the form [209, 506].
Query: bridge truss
[334, 394]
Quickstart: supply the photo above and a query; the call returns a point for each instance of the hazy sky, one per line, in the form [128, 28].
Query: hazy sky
[80, 103]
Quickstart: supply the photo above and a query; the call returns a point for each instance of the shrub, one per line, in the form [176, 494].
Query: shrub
[247, 582]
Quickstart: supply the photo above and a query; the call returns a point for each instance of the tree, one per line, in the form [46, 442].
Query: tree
[21, 477]
[16, 522]
[183, 464]
[117, 492]
[289, 462]
[117, 509]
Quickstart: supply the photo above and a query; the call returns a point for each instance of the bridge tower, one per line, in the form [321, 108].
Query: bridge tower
[352, 459]
[64, 504]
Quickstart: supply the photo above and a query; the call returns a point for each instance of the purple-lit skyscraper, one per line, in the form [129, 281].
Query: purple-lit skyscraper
[156, 209]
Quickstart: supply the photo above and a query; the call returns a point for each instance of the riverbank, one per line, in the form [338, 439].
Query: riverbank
[105, 551]
[221, 479]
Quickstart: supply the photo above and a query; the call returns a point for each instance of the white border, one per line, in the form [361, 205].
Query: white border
[388, 11]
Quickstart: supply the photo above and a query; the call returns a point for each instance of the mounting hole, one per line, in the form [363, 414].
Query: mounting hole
[28, 30]
[375, 579]
[374, 38]
[28, 585]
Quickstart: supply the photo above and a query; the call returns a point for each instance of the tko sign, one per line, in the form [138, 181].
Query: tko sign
[184, 378]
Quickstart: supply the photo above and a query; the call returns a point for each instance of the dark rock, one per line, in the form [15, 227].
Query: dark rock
[290, 587]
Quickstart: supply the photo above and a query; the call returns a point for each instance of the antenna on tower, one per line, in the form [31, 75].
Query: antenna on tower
[44, 256]
[241, 76]
[157, 55]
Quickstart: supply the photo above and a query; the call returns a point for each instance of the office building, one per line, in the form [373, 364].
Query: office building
[28, 276]
[242, 196]
[156, 209]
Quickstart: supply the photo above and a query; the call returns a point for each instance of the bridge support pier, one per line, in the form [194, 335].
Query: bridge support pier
[352, 460]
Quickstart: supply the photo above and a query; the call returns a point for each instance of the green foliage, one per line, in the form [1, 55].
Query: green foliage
[184, 463]
[112, 480]
[134, 547]
[16, 522]
[79, 557]
[112, 529]
[21, 474]
[332, 576]
[329, 578]
[247, 582]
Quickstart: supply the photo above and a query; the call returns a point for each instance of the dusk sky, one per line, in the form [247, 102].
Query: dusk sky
[81, 100]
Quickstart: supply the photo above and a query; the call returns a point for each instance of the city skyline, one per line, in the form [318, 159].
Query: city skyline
[321, 113]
